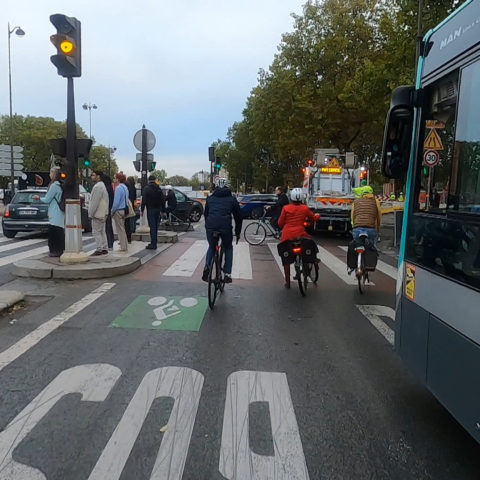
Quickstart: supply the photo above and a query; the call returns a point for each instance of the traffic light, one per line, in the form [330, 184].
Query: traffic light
[425, 171]
[86, 162]
[218, 163]
[136, 164]
[363, 175]
[310, 162]
[67, 40]
[151, 165]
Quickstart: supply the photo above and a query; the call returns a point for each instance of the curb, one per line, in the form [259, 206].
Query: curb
[9, 298]
[40, 268]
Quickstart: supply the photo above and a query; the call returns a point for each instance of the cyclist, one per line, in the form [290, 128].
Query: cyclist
[292, 223]
[220, 206]
[276, 209]
[366, 215]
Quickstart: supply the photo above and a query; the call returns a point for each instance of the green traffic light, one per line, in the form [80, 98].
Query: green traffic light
[86, 162]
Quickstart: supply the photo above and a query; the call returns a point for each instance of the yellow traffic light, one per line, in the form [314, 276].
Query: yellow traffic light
[67, 47]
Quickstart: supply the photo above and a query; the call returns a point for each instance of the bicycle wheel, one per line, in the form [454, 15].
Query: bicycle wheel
[314, 272]
[361, 282]
[299, 276]
[212, 281]
[255, 233]
[221, 273]
[306, 272]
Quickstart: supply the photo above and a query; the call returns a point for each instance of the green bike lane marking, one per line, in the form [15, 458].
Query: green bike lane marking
[163, 313]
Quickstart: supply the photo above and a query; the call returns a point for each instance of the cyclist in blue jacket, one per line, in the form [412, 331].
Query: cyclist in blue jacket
[221, 205]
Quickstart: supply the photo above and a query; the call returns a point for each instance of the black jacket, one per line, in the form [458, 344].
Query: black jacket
[171, 200]
[132, 192]
[153, 197]
[219, 209]
[276, 209]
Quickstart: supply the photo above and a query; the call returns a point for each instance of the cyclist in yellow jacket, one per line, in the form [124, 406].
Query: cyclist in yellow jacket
[366, 215]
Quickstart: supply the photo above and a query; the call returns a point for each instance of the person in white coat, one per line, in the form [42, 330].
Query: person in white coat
[98, 212]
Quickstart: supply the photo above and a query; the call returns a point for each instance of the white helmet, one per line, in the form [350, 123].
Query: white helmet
[222, 182]
[296, 194]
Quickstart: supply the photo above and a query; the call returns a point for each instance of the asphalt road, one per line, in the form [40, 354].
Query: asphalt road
[135, 378]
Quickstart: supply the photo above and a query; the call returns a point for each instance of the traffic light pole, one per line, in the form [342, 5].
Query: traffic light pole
[144, 157]
[73, 216]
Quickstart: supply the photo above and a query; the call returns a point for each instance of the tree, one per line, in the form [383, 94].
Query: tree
[160, 175]
[177, 180]
[102, 158]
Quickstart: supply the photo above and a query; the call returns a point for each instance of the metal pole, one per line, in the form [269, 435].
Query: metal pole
[71, 183]
[90, 120]
[419, 33]
[12, 171]
[144, 157]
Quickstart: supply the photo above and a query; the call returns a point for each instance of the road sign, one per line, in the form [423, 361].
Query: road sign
[434, 124]
[138, 156]
[18, 164]
[7, 173]
[433, 142]
[137, 140]
[6, 148]
[431, 158]
[215, 178]
[7, 156]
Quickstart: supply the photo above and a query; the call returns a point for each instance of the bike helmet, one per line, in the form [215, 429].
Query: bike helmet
[222, 182]
[296, 194]
[367, 190]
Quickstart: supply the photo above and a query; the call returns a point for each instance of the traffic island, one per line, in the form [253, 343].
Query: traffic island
[97, 267]
[162, 236]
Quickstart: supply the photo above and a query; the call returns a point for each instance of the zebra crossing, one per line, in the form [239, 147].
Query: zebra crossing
[190, 256]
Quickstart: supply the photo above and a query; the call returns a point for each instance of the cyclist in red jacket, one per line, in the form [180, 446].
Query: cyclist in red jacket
[292, 223]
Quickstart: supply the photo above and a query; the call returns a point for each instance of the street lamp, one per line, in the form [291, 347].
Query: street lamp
[18, 31]
[89, 107]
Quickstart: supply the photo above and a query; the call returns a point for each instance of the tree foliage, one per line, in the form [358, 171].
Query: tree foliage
[34, 135]
[328, 86]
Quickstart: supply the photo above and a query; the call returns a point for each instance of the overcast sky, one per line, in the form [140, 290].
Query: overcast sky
[183, 68]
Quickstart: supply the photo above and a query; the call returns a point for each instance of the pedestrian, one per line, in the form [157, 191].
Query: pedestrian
[118, 209]
[108, 223]
[154, 201]
[171, 202]
[276, 209]
[98, 212]
[220, 207]
[132, 195]
[56, 217]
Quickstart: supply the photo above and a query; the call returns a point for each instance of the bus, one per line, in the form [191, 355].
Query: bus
[432, 143]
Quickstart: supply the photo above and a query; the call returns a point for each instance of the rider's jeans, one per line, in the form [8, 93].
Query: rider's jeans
[371, 232]
[227, 238]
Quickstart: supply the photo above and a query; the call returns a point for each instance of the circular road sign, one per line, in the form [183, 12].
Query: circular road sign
[431, 157]
[137, 140]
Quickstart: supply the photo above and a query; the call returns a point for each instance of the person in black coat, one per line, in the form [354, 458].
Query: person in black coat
[130, 223]
[108, 223]
[276, 209]
[220, 206]
[171, 202]
[154, 201]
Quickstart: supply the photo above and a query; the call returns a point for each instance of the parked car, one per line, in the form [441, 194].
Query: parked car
[23, 214]
[251, 205]
[186, 207]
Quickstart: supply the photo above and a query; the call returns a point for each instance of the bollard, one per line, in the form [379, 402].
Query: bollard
[73, 233]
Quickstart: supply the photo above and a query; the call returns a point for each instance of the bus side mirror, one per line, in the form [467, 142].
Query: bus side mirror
[398, 133]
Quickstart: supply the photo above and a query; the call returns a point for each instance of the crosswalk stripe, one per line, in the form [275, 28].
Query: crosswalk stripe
[374, 313]
[4, 239]
[338, 267]
[185, 265]
[23, 243]
[382, 266]
[242, 261]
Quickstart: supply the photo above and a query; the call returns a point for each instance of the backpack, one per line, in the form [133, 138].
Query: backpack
[61, 203]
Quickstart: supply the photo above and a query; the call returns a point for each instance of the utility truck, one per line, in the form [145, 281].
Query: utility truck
[327, 184]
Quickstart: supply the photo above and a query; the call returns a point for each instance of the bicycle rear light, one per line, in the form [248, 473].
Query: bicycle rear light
[297, 250]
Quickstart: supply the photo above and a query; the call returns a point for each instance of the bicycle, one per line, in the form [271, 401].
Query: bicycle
[216, 277]
[176, 224]
[361, 270]
[304, 268]
[256, 232]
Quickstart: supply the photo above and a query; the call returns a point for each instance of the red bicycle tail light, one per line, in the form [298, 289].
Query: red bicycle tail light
[359, 249]
[297, 250]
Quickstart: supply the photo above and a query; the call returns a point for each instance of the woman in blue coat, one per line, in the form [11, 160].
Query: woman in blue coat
[56, 218]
